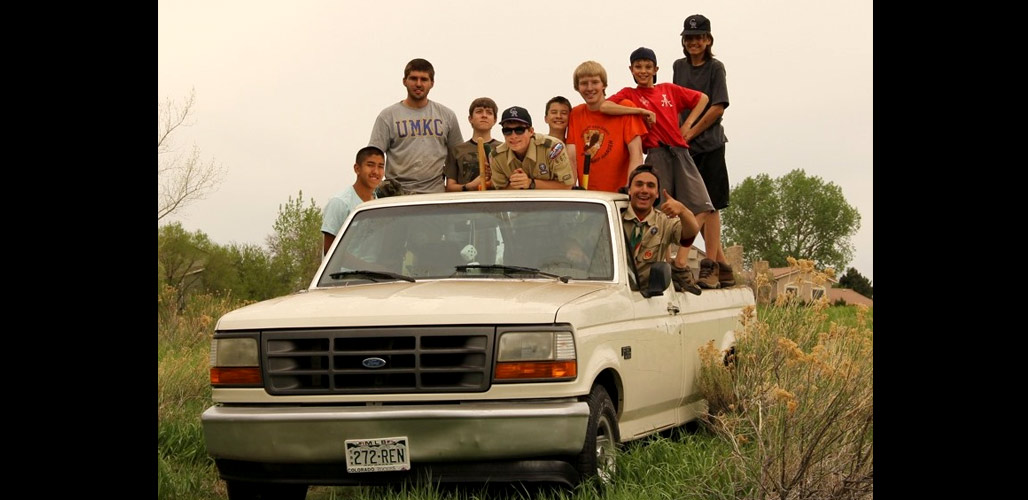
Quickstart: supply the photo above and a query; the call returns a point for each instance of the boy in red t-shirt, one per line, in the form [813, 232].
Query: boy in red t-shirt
[665, 145]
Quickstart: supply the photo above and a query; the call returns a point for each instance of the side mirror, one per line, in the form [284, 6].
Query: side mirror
[660, 278]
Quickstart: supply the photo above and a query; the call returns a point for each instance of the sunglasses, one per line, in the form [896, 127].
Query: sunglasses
[513, 130]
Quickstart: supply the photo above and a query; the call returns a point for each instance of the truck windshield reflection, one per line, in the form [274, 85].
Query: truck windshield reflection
[498, 240]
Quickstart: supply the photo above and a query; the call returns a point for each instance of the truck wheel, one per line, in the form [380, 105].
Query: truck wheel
[242, 490]
[597, 457]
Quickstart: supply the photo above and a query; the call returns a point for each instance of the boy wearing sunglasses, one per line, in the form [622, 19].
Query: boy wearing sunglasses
[527, 160]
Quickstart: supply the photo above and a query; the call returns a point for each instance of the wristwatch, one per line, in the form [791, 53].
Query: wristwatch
[463, 187]
[532, 184]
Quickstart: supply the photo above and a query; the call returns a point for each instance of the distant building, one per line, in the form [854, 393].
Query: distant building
[802, 284]
[794, 281]
[851, 297]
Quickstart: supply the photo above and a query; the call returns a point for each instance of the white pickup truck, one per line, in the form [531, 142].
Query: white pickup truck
[482, 336]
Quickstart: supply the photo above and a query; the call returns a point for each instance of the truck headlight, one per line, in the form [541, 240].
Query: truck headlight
[235, 362]
[536, 356]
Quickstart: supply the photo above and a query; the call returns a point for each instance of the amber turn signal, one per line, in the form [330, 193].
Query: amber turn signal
[537, 370]
[236, 376]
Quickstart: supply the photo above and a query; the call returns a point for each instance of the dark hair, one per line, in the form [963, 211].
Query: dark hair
[419, 65]
[367, 151]
[708, 53]
[644, 168]
[483, 102]
[558, 100]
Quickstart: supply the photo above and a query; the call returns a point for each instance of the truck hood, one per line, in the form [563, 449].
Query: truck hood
[421, 303]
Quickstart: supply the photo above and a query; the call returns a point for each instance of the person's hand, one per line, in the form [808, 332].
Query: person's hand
[519, 180]
[670, 206]
[651, 117]
[687, 136]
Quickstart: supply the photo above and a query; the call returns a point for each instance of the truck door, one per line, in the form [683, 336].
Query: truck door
[653, 382]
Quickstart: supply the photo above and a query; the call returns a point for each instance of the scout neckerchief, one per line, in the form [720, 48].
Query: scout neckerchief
[637, 235]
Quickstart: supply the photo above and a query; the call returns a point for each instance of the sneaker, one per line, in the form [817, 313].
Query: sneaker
[684, 281]
[708, 274]
[725, 276]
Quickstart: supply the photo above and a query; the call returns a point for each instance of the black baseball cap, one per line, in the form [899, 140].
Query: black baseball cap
[516, 114]
[696, 24]
[643, 53]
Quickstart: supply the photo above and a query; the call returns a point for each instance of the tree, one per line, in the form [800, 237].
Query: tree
[182, 178]
[182, 260]
[791, 216]
[857, 282]
[297, 244]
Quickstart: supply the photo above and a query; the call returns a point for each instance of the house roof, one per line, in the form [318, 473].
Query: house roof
[851, 297]
[780, 272]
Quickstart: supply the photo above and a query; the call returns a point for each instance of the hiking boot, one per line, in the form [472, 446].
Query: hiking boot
[708, 274]
[725, 275]
[684, 280]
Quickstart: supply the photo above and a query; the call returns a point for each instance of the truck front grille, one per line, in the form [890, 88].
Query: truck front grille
[371, 361]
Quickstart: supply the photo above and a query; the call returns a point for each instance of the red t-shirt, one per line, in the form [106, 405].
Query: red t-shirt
[666, 100]
[609, 136]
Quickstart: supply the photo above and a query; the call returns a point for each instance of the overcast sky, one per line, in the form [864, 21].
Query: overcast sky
[287, 91]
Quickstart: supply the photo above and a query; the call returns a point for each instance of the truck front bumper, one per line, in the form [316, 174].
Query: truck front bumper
[436, 433]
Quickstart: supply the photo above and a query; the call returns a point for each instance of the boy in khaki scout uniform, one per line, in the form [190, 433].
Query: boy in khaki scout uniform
[650, 232]
[527, 160]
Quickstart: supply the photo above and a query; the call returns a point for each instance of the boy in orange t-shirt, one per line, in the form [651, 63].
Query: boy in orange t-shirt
[613, 143]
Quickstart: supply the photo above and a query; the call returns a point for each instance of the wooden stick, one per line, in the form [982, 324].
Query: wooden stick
[481, 163]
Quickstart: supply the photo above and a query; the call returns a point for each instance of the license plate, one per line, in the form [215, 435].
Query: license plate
[377, 455]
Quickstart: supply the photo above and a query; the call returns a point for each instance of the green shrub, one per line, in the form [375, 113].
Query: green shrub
[796, 403]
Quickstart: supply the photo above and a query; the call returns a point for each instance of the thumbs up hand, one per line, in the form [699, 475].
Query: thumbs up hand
[670, 206]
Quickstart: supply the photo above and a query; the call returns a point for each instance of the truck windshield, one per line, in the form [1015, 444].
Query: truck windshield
[461, 240]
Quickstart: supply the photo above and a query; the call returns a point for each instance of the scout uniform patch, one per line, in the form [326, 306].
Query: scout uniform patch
[556, 150]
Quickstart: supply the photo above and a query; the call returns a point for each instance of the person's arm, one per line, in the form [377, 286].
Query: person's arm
[708, 119]
[635, 155]
[694, 115]
[674, 208]
[610, 108]
[545, 184]
[332, 218]
[329, 238]
[498, 175]
[380, 134]
[562, 171]
[573, 160]
[451, 169]
[452, 185]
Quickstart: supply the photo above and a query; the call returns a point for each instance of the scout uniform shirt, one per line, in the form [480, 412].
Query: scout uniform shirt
[546, 159]
[462, 164]
[649, 239]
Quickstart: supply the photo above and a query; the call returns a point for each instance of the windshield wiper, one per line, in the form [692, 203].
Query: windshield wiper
[371, 275]
[509, 270]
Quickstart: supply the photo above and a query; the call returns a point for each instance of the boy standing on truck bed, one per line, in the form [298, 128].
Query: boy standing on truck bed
[613, 143]
[462, 165]
[416, 133]
[665, 145]
[701, 71]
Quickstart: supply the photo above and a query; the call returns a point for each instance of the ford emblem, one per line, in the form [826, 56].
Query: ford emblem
[373, 362]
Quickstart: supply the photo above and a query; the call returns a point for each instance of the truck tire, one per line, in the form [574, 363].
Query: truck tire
[242, 490]
[597, 458]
